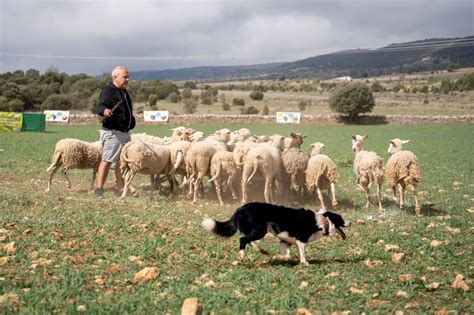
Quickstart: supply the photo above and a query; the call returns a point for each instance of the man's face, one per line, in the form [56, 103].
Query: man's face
[121, 80]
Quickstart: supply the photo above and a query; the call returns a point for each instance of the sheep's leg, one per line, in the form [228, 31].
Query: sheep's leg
[333, 194]
[230, 180]
[379, 197]
[245, 176]
[197, 184]
[268, 190]
[415, 194]
[401, 190]
[53, 171]
[191, 186]
[152, 185]
[394, 190]
[217, 184]
[128, 177]
[320, 196]
[94, 175]
[68, 181]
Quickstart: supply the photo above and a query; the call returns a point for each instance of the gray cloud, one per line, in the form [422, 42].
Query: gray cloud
[92, 36]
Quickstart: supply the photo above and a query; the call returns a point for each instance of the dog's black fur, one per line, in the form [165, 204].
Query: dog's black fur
[291, 226]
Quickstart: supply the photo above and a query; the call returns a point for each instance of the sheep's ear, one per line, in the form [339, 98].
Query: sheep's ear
[322, 145]
[293, 135]
[354, 137]
[392, 142]
[366, 136]
[405, 141]
[304, 136]
[312, 145]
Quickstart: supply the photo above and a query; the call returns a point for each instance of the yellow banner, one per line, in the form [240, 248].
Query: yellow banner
[10, 121]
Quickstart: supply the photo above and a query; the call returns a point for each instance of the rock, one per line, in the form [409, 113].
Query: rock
[191, 306]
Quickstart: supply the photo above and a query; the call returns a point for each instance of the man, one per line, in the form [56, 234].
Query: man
[115, 107]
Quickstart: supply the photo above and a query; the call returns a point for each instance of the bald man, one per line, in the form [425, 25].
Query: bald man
[115, 106]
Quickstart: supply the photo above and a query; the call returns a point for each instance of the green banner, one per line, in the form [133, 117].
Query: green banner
[10, 121]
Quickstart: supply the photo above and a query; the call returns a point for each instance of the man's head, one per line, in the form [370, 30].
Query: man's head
[120, 77]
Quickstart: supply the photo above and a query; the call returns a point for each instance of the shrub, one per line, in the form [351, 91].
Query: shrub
[249, 111]
[238, 102]
[265, 110]
[152, 99]
[225, 106]
[186, 93]
[352, 99]
[257, 95]
[377, 87]
[174, 97]
[15, 105]
[4, 104]
[189, 106]
[302, 104]
[190, 85]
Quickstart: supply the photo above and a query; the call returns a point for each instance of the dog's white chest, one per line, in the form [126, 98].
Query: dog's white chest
[284, 236]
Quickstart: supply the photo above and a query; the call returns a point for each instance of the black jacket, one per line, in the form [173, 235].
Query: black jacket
[122, 118]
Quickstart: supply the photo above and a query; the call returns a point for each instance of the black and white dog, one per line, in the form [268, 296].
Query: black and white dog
[291, 226]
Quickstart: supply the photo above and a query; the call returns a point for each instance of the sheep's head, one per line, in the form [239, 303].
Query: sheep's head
[196, 136]
[296, 139]
[358, 142]
[396, 145]
[317, 147]
[223, 134]
[177, 131]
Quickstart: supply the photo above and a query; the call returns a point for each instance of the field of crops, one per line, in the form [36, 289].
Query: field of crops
[69, 252]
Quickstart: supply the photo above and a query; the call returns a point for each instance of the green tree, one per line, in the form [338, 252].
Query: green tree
[57, 101]
[265, 110]
[352, 99]
[238, 102]
[190, 85]
[186, 93]
[152, 99]
[174, 97]
[15, 105]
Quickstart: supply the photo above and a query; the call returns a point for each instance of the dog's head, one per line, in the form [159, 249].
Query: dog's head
[336, 223]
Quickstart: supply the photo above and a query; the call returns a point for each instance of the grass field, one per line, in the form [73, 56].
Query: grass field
[73, 253]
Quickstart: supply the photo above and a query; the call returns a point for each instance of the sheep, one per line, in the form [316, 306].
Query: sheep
[198, 161]
[368, 167]
[321, 173]
[144, 158]
[178, 150]
[146, 138]
[402, 170]
[295, 162]
[266, 159]
[222, 167]
[75, 154]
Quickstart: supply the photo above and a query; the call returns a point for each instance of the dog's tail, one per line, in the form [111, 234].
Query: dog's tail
[225, 229]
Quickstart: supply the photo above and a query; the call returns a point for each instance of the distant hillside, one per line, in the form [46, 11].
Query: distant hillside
[423, 55]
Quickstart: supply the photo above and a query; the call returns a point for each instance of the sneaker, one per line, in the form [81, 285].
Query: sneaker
[99, 192]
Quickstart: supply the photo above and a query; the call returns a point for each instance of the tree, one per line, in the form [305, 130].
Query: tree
[352, 99]
[57, 102]
[152, 99]
[238, 102]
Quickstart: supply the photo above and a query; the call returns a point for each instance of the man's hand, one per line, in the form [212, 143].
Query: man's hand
[107, 113]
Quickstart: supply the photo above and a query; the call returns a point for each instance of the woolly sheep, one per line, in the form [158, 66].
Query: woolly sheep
[144, 158]
[146, 138]
[402, 170]
[295, 162]
[265, 159]
[178, 150]
[198, 161]
[223, 168]
[321, 173]
[75, 154]
[368, 167]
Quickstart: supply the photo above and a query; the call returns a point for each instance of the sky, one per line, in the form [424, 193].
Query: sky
[93, 36]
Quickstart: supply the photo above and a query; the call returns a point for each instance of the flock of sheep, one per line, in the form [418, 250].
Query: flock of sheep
[231, 158]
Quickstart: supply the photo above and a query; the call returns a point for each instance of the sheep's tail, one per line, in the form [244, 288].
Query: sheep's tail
[224, 229]
[55, 160]
[255, 168]
[218, 173]
[179, 159]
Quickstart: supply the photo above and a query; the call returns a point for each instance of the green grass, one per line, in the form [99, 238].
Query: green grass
[67, 241]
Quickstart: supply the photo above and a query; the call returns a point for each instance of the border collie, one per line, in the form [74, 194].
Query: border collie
[291, 226]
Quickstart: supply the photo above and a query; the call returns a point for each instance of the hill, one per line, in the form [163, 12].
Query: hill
[423, 55]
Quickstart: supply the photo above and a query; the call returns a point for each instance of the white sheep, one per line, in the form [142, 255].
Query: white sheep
[146, 138]
[402, 170]
[198, 162]
[144, 158]
[75, 154]
[265, 159]
[178, 150]
[295, 162]
[368, 167]
[223, 168]
[321, 173]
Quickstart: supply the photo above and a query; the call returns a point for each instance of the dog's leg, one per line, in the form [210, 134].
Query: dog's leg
[284, 250]
[258, 248]
[301, 252]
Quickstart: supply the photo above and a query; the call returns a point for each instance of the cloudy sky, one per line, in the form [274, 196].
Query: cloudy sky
[91, 36]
